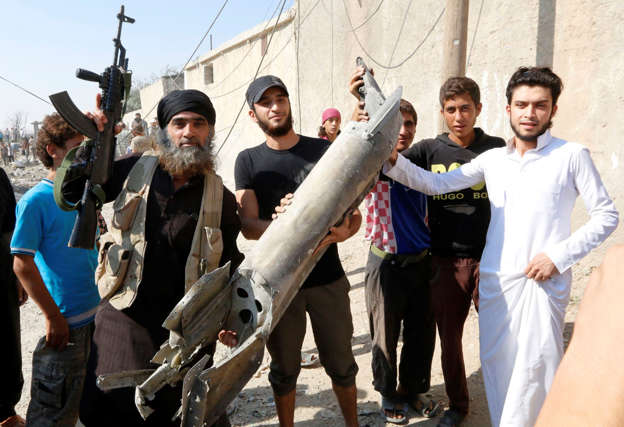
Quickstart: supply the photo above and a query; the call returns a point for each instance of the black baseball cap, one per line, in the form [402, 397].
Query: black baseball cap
[257, 88]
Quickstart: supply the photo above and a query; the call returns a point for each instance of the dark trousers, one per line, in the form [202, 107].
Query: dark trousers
[398, 294]
[454, 284]
[11, 356]
[329, 308]
[121, 344]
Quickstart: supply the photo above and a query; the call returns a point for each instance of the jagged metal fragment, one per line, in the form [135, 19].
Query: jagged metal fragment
[123, 379]
[193, 323]
[257, 294]
[206, 396]
[285, 254]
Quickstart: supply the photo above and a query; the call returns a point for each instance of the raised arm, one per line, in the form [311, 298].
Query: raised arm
[431, 183]
[603, 218]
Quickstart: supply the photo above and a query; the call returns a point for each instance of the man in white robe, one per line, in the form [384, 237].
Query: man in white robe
[526, 265]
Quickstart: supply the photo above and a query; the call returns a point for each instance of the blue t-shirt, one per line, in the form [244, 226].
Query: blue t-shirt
[42, 229]
[409, 209]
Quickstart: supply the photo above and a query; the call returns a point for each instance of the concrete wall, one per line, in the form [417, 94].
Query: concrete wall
[578, 38]
[150, 95]
[234, 66]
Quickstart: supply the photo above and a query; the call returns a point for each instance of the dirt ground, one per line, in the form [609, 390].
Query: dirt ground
[316, 404]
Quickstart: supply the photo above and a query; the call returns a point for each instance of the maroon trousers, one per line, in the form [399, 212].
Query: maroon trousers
[454, 284]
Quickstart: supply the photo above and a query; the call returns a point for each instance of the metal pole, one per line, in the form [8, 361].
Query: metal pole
[455, 41]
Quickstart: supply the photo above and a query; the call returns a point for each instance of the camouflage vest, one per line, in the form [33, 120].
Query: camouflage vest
[122, 249]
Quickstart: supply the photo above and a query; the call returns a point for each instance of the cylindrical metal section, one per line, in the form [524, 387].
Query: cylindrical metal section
[284, 254]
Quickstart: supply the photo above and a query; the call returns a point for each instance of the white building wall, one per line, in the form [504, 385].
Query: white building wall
[578, 38]
[150, 95]
[234, 66]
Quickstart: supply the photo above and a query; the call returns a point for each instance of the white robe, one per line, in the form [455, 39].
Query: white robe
[521, 320]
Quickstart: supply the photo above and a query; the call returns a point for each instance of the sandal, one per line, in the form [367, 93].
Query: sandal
[395, 413]
[423, 408]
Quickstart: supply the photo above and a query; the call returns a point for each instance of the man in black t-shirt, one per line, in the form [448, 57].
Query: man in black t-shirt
[265, 174]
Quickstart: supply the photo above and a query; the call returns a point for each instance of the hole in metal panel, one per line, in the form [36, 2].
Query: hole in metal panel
[258, 306]
[245, 315]
[242, 293]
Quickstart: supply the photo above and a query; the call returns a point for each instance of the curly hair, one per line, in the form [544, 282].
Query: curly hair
[458, 86]
[54, 130]
[535, 76]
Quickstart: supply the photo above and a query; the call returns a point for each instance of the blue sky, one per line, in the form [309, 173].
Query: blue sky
[43, 42]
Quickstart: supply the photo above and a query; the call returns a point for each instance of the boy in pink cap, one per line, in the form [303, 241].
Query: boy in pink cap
[330, 124]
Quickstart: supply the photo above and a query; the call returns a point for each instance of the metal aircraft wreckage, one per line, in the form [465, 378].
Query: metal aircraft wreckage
[252, 299]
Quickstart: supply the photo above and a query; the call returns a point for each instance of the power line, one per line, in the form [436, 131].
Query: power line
[196, 48]
[205, 35]
[25, 90]
[390, 67]
[245, 83]
[368, 18]
[236, 67]
[397, 40]
[255, 75]
[297, 59]
[474, 35]
[331, 70]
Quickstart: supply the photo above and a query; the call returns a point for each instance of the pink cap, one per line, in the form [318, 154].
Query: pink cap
[329, 113]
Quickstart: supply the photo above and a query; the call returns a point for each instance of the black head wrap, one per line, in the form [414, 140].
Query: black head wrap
[185, 100]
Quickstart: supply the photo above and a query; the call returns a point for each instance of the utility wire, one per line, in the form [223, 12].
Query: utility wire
[474, 34]
[397, 40]
[245, 83]
[331, 70]
[368, 18]
[255, 75]
[205, 35]
[390, 67]
[297, 58]
[25, 90]
[195, 50]
[237, 67]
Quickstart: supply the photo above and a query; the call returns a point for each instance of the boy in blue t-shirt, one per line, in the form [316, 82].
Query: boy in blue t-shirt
[61, 282]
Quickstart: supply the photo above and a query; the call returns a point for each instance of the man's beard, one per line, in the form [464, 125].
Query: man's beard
[185, 161]
[533, 135]
[279, 130]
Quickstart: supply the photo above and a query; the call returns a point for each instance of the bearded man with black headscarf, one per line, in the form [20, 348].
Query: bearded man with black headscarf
[128, 329]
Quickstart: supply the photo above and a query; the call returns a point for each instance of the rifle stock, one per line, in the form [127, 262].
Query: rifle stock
[85, 226]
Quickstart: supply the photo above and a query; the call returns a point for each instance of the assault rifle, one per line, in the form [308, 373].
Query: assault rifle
[96, 159]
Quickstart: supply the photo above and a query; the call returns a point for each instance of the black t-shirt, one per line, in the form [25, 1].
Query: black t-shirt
[458, 220]
[271, 174]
